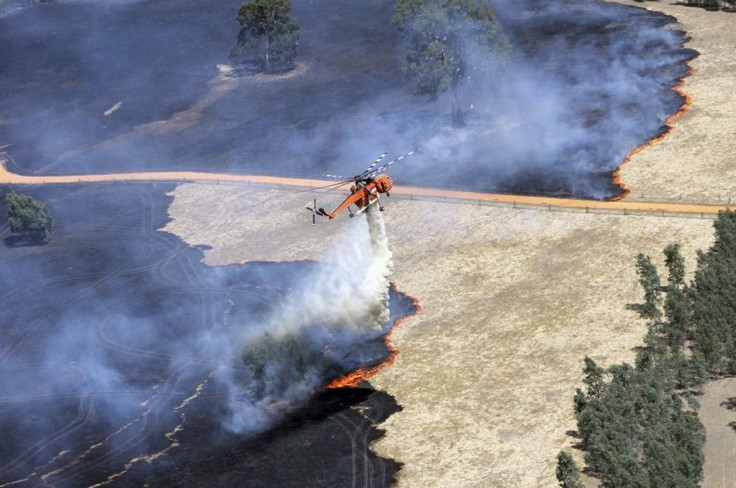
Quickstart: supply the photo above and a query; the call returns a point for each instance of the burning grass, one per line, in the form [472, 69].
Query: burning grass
[511, 298]
[696, 162]
[360, 375]
[668, 128]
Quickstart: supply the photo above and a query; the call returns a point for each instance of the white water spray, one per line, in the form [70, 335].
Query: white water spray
[381, 263]
[349, 288]
[350, 285]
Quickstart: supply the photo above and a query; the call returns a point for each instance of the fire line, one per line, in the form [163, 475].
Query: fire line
[687, 101]
[360, 375]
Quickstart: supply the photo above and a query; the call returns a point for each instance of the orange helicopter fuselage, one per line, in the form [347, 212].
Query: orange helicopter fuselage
[363, 194]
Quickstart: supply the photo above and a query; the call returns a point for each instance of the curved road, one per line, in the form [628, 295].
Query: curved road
[6, 177]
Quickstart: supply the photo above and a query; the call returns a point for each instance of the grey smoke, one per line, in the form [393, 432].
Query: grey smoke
[349, 287]
[345, 297]
[94, 341]
[586, 83]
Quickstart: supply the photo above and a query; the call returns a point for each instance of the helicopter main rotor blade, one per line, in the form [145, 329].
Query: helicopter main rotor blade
[383, 167]
[370, 168]
[331, 186]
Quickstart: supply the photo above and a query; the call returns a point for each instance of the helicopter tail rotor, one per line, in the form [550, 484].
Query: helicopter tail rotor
[314, 211]
[318, 211]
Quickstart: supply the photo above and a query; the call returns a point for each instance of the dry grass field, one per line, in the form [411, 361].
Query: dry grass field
[697, 161]
[512, 298]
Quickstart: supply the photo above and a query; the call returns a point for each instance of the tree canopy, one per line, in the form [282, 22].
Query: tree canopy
[636, 432]
[446, 41]
[267, 350]
[28, 217]
[568, 473]
[649, 280]
[675, 264]
[700, 315]
[269, 36]
[631, 420]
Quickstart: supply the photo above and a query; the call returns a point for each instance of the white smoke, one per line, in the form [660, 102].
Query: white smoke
[350, 285]
[345, 297]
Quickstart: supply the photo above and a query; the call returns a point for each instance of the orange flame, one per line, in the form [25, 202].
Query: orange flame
[668, 128]
[362, 374]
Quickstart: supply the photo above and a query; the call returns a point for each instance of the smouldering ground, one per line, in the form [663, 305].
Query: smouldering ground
[513, 299]
[697, 161]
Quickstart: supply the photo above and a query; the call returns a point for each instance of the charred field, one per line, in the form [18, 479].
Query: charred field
[118, 361]
[109, 333]
[138, 86]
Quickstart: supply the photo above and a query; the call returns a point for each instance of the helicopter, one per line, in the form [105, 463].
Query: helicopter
[364, 191]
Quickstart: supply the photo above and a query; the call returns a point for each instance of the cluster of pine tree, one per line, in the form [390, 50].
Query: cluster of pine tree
[632, 422]
[714, 4]
[693, 326]
[634, 428]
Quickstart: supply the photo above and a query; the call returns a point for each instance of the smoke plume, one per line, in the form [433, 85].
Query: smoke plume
[119, 347]
[586, 82]
[350, 285]
[313, 334]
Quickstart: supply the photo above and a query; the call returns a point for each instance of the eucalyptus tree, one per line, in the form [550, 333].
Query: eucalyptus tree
[28, 217]
[446, 42]
[269, 36]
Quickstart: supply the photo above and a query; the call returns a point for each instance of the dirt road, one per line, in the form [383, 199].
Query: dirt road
[7, 177]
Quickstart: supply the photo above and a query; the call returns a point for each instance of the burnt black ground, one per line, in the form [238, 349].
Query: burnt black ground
[325, 443]
[101, 332]
[107, 330]
[605, 70]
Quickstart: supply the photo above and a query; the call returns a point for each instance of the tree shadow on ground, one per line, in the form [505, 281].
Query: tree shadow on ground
[705, 6]
[20, 241]
[730, 403]
[575, 435]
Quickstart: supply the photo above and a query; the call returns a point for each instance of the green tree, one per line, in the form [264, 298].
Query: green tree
[675, 265]
[405, 11]
[447, 40]
[713, 302]
[636, 433]
[580, 400]
[650, 282]
[568, 473]
[28, 217]
[631, 422]
[280, 353]
[712, 299]
[593, 378]
[269, 36]
[677, 314]
[691, 372]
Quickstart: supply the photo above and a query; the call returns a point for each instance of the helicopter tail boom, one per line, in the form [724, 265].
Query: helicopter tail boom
[325, 213]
